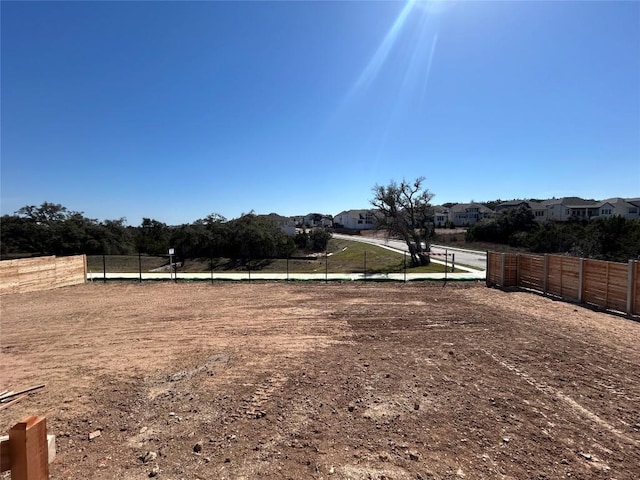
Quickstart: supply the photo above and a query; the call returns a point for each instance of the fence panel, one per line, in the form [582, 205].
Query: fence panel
[494, 268]
[531, 271]
[41, 273]
[605, 284]
[610, 285]
[563, 277]
[510, 270]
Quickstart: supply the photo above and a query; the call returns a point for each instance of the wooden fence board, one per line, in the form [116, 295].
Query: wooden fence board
[531, 271]
[610, 285]
[41, 273]
[635, 289]
[511, 270]
[563, 276]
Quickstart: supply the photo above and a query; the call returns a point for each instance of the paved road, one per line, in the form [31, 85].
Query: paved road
[466, 257]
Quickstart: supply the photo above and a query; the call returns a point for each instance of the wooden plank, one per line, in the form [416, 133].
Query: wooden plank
[5, 454]
[635, 300]
[32, 274]
[20, 392]
[12, 402]
[29, 449]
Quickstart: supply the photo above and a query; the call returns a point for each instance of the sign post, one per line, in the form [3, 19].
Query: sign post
[171, 271]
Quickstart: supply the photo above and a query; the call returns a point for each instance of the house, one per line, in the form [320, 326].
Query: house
[285, 224]
[313, 220]
[628, 208]
[355, 220]
[511, 204]
[539, 209]
[571, 208]
[440, 216]
[468, 214]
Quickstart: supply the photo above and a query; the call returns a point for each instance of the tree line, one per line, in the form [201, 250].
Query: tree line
[52, 229]
[614, 238]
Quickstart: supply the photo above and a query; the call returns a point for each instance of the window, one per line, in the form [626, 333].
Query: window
[539, 213]
[605, 211]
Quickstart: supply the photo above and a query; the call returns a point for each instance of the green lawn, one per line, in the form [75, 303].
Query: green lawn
[345, 256]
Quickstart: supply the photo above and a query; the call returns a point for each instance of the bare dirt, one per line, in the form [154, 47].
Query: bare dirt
[395, 381]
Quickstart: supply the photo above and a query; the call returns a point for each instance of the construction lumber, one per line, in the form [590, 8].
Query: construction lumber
[15, 400]
[26, 390]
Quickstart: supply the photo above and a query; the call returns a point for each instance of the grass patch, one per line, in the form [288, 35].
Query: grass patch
[345, 256]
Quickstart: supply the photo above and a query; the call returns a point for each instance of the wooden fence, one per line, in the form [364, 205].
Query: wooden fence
[28, 450]
[41, 273]
[610, 285]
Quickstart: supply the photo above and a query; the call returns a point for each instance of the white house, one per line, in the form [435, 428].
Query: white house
[355, 220]
[440, 216]
[567, 208]
[627, 208]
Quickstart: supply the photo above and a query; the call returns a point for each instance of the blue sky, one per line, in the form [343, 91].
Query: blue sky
[175, 110]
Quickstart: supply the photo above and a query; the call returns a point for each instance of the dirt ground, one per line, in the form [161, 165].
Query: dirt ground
[333, 381]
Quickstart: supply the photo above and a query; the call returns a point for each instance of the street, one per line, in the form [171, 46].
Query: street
[465, 257]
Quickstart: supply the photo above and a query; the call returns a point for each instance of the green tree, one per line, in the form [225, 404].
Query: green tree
[152, 237]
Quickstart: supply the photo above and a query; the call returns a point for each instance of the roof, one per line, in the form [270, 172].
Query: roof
[511, 203]
[464, 207]
[356, 212]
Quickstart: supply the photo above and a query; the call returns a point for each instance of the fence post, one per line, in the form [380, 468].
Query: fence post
[404, 265]
[287, 266]
[453, 262]
[365, 265]
[326, 266]
[446, 266]
[487, 273]
[503, 268]
[104, 269]
[29, 449]
[581, 281]
[630, 281]
[517, 269]
[545, 273]
[140, 266]
[211, 265]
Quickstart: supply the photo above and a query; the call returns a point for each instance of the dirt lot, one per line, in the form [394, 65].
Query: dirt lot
[358, 381]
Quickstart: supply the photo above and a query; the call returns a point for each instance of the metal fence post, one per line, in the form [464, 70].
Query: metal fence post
[326, 266]
[404, 265]
[365, 265]
[140, 266]
[453, 262]
[446, 265]
[104, 269]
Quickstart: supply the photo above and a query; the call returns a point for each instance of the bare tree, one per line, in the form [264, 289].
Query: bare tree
[404, 210]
